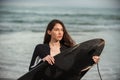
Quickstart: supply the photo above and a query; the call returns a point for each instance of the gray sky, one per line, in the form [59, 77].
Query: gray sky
[74, 3]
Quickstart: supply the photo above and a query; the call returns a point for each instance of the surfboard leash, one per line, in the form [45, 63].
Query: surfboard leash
[99, 72]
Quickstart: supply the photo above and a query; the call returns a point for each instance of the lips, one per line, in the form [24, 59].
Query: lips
[59, 36]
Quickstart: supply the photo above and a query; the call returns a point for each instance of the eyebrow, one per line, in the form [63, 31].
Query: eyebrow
[58, 28]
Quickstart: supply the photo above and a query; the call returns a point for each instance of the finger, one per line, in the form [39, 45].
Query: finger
[50, 60]
[47, 58]
[96, 59]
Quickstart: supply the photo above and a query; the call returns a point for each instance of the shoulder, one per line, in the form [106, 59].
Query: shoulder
[42, 46]
[42, 50]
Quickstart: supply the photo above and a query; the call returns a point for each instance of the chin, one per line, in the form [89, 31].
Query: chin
[59, 39]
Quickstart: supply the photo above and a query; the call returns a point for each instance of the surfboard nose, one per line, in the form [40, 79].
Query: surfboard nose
[102, 42]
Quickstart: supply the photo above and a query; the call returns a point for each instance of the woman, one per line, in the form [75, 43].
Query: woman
[56, 40]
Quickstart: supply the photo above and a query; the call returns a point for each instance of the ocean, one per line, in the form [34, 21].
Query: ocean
[23, 27]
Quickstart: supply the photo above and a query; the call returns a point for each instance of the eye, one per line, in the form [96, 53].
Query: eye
[62, 30]
[56, 29]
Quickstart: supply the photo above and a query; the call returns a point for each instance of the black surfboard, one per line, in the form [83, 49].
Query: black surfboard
[75, 60]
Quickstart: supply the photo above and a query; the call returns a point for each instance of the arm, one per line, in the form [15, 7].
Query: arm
[35, 58]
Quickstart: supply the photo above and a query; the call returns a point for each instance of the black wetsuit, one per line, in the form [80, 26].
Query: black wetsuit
[42, 50]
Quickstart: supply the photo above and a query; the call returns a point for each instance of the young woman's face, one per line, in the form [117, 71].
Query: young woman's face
[57, 32]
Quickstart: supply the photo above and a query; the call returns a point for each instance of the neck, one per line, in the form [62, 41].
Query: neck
[54, 43]
[54, 47]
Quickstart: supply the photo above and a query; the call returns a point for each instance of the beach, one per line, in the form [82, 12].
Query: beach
[22, 28]
[17, 48]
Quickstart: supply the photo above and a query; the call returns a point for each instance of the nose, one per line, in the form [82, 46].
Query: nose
[60, 32]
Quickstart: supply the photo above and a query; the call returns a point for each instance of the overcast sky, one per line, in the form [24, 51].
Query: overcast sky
[75, 3]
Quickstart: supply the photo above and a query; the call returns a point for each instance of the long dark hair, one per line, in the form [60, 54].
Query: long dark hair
[66, 40]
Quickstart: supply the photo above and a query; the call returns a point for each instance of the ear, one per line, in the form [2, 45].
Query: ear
[49, 32]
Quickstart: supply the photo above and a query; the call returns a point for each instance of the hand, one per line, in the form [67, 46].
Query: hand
[96, 59]
[49, 59]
